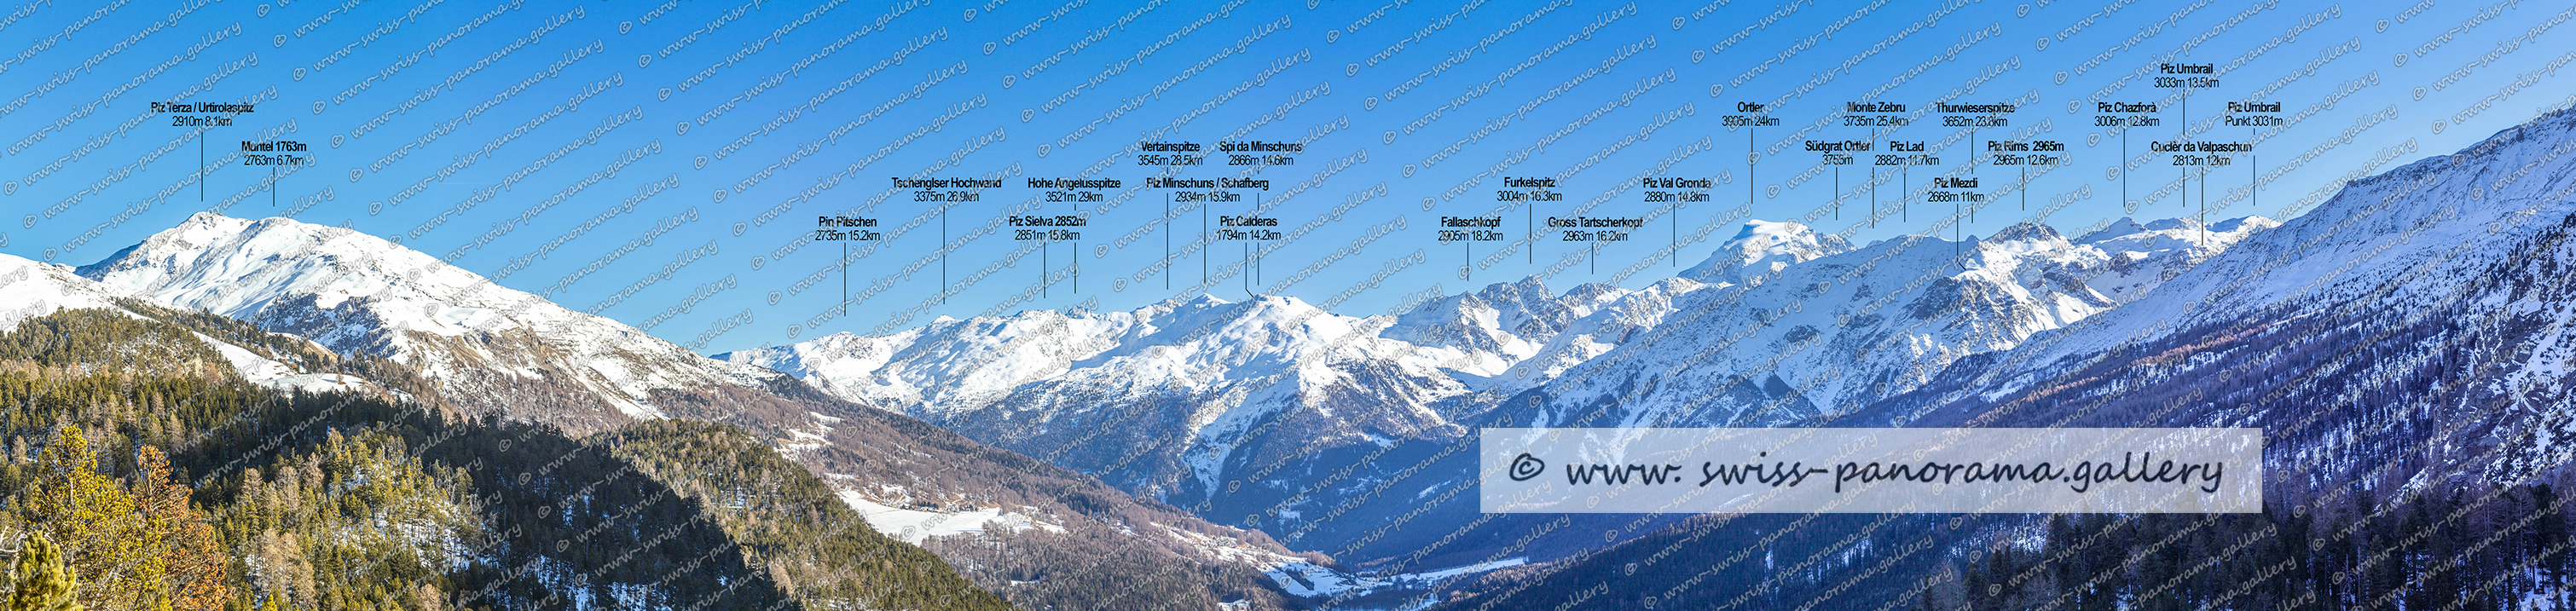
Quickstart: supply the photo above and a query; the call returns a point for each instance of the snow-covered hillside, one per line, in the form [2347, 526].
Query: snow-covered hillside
[1182, 383]
[358, 294]
[2435, 292]
[1763, 247]
[2376, 239]
[30, 289]
[487, 347]
[1269, 404]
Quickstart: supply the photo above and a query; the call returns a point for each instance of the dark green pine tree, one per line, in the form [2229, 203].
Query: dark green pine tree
[2104, 555]
[2298, 578]
[2550, 528]
[2160, 566]
[2069, 569]
[2425, 553]
[42, 582]
[1995, 593]
[1979, 577]
[2389, 574]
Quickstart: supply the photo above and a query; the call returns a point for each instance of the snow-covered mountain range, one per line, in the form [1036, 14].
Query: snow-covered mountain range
[1093, 390]
[484, 348]
[1838, 329]
[2409, 340]
[1272, 406]
[2434, 293]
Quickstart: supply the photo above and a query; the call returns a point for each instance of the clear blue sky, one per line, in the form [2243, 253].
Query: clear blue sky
[489, 132]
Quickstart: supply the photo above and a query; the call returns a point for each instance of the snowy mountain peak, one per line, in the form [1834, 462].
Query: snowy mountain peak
[2124, 226]
[2172, 224]
[358, 294]
[2393, 238]
[2026, 231]
[237, 268]
[1260, 314]
[29, 289]
[2243, 223]
[1525, 288]
[1592, 294]
[2185, 231]
[1763, 247]
[1502, 324]
[1836, 331]
[2188, 237]
[199, 229]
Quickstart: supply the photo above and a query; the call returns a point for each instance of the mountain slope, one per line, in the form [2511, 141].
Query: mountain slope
[2405, 348]
[473, 348]
[29, 289]
[2409, 235]
[357, 294]
[1763, 247]
[1497, 327]
[341, 500]
[1837, 331]
[2438, 287]
[1155, 400]
[1324, 428]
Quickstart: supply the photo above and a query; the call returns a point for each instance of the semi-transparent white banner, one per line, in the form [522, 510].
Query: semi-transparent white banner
[1893, 470]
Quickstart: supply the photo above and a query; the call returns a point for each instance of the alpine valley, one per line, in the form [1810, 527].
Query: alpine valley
[1331, 432]
[2402, 345]
[302, 416]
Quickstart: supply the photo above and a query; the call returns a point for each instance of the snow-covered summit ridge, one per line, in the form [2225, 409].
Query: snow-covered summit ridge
[1839, 330]
[358, 294]
[1174, 345]
[238, 267]
[1762, 247]
[1501, 325]
[29, 289]
[2379, 236]
[1192, 388]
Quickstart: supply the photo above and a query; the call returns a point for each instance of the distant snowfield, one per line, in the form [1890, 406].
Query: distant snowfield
[260, 370]
[1294, 575]
[1307, 580]
[914, 526]
[30, 289]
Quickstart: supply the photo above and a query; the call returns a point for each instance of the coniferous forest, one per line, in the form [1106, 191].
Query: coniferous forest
[142, 473]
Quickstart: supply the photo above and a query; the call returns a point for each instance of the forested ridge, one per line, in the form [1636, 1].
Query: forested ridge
[788, 521]
[141, 472]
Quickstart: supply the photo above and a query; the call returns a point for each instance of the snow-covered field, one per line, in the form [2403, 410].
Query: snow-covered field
[914, 526]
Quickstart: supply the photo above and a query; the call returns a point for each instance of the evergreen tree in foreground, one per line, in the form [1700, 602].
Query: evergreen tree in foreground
[41, 582]
[143, 544]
